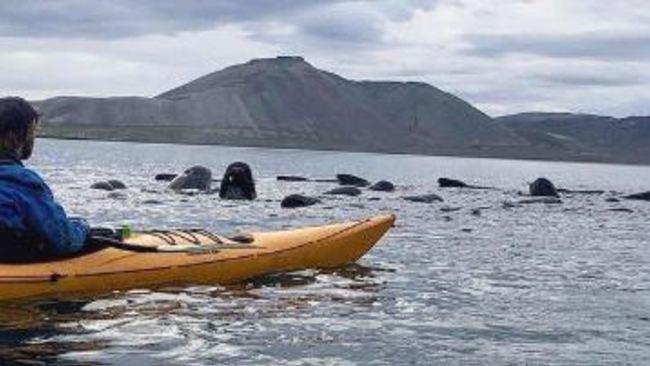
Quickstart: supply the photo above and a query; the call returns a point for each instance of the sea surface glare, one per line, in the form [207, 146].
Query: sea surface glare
[468, 281]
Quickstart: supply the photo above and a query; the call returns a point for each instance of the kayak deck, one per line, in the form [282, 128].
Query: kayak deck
[110, 269]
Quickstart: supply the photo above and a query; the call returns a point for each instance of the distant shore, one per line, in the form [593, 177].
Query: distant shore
[460, 153]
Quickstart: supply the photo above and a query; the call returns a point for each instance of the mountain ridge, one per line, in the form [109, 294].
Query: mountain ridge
[619, 140]
[285, 102]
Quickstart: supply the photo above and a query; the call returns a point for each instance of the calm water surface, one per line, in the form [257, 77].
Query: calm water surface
[470, 281]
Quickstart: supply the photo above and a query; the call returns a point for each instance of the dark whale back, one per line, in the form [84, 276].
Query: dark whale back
[196, 177]
[543, 187]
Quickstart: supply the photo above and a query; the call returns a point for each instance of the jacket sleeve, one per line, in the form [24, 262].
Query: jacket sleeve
[47, 218]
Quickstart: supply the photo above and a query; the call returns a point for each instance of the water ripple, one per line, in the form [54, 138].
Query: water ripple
[470, 281]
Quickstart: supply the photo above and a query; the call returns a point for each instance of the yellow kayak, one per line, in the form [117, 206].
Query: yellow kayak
[192, 257]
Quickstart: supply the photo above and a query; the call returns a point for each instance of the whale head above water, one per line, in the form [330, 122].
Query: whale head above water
[238, 183]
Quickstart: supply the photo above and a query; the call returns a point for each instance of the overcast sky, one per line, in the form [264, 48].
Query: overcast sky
[504, 56]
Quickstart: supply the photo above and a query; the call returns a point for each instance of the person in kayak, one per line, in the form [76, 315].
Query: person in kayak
[31, 222]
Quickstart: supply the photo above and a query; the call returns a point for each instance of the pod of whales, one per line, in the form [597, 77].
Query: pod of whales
[238, 184]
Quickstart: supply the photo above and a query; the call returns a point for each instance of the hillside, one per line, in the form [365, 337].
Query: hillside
[601, 137]
[286, 102]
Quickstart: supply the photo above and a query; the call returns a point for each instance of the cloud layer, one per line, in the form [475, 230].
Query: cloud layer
[504, 56]
[130, 18]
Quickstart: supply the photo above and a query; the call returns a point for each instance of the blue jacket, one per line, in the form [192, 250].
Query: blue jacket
[30, 216]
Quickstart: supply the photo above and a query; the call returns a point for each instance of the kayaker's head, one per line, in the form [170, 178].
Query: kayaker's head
[18, 121]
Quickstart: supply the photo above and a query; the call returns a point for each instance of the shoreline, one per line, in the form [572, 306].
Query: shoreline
[439, 154]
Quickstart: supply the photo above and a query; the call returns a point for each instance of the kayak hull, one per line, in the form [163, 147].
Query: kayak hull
[110, 269]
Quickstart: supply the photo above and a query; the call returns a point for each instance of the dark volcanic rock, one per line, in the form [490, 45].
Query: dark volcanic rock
[351, 180]
[542, 187]
[165, 177]
[644, 196]
[425, 198]
[196, 177]
[382, 186]
[448, 182]
[298, 200]
[103, 185]
[291, 178]
[238, 183]
[117, 184]
[344, 191]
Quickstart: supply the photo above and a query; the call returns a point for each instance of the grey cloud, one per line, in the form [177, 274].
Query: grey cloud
[593, 45]
[349, 26]
[352, 24]
[403, 9]
[509, 93]
[638, 106]
[126, 18]
[345, 30]
[597, 80]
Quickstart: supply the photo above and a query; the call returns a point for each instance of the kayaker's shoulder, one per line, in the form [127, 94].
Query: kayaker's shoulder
[22, 176]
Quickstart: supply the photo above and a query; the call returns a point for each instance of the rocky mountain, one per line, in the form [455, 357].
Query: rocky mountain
[596, 138]
[286, 102]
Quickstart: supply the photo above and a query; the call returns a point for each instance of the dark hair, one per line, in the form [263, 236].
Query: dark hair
[15, 116]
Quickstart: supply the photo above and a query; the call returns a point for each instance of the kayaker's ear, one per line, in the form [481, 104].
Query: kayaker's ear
[28, 144]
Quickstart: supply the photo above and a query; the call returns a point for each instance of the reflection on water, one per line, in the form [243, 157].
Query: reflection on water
[45, 330]
[27, 330]
[470, 281]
